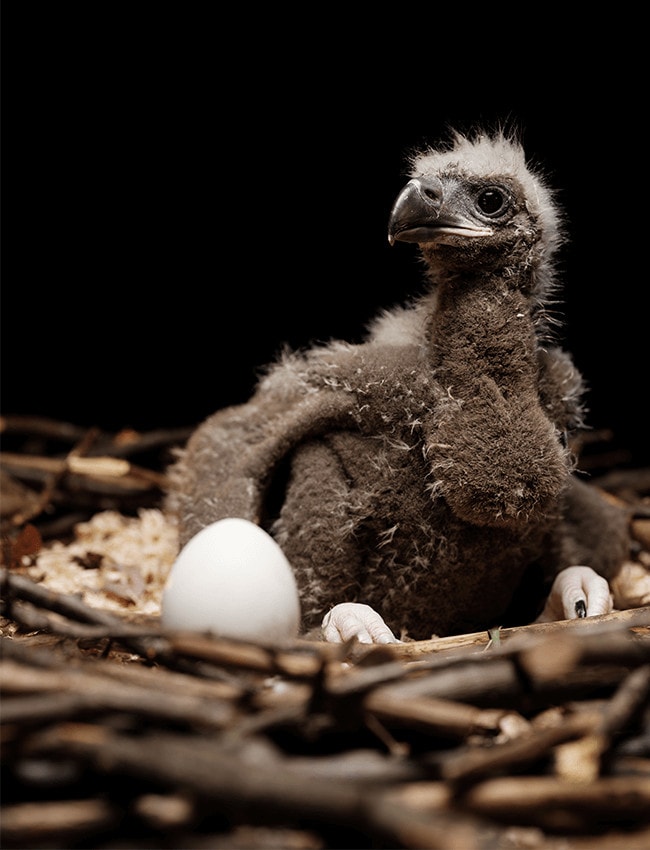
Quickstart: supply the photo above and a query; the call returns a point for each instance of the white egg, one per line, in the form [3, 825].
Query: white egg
[232, 580]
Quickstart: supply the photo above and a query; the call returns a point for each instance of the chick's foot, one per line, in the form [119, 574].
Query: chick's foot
[354, 619]
[577, 592]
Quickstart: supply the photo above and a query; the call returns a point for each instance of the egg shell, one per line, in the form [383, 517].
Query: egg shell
[234, 581]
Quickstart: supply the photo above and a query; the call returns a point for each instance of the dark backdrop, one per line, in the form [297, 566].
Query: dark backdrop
[178, 205]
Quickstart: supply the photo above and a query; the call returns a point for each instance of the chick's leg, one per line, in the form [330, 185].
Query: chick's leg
[319, 530]
[577, 592]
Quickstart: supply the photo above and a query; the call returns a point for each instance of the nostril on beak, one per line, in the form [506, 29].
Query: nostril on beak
[429, 190]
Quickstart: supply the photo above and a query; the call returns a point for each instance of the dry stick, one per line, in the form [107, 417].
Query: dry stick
[557, 655]
[460, 678]
[627, 839]
[88, 687]
[422, 815]
[306, 662]
[97, 472]
[549, 801]
[475, 640]
[80, 691]
[61, 526]
[537, 743]
[59, 689]
[307, 657]
[425, 827]
[153, 647]
[631, 696]
[36, 824]
[41, 426]
[526, 801]
[552, 651]
[449, 718]
[367, 766]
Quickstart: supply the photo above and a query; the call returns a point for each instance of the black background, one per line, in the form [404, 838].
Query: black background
[183, 195]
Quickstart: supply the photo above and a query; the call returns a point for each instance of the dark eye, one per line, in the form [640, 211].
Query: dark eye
[492, 201]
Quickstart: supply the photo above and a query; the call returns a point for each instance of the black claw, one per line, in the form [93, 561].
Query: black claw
[581, 608]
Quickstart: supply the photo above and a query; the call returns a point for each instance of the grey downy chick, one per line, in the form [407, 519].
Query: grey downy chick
[418, 480]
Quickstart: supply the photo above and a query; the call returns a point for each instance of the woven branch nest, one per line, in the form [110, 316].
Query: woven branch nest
[118, 734]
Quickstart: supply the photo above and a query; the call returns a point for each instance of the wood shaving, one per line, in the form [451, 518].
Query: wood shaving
[133, 556]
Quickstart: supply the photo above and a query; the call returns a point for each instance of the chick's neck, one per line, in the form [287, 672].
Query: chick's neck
[483, 328]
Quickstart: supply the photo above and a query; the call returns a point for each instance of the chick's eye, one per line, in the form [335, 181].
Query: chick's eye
[492, 201]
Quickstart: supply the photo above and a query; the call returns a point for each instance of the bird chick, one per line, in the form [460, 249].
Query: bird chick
[418, 481]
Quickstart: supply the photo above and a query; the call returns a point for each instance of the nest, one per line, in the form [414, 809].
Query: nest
[117, 734]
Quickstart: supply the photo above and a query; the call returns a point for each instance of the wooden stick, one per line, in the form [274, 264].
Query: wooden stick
[547, 800]
[98, 470]
[251, 656]
[41, 426]
[80, 691]
[628, 700]
[528, 748]
[448, 718]
[636, 617]
[37, 824]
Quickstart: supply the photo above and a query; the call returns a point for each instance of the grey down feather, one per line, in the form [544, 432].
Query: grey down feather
[425, 471]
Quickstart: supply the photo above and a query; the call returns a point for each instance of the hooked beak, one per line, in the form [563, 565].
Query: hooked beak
[419, 215]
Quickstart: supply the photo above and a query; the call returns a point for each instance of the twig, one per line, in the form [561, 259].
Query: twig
[80, 692]
[559, 804]
[98, 470]
[538, 743]
[474, 640]
[41, 426]
[448, 718]
[629, 699]
[37, 824]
